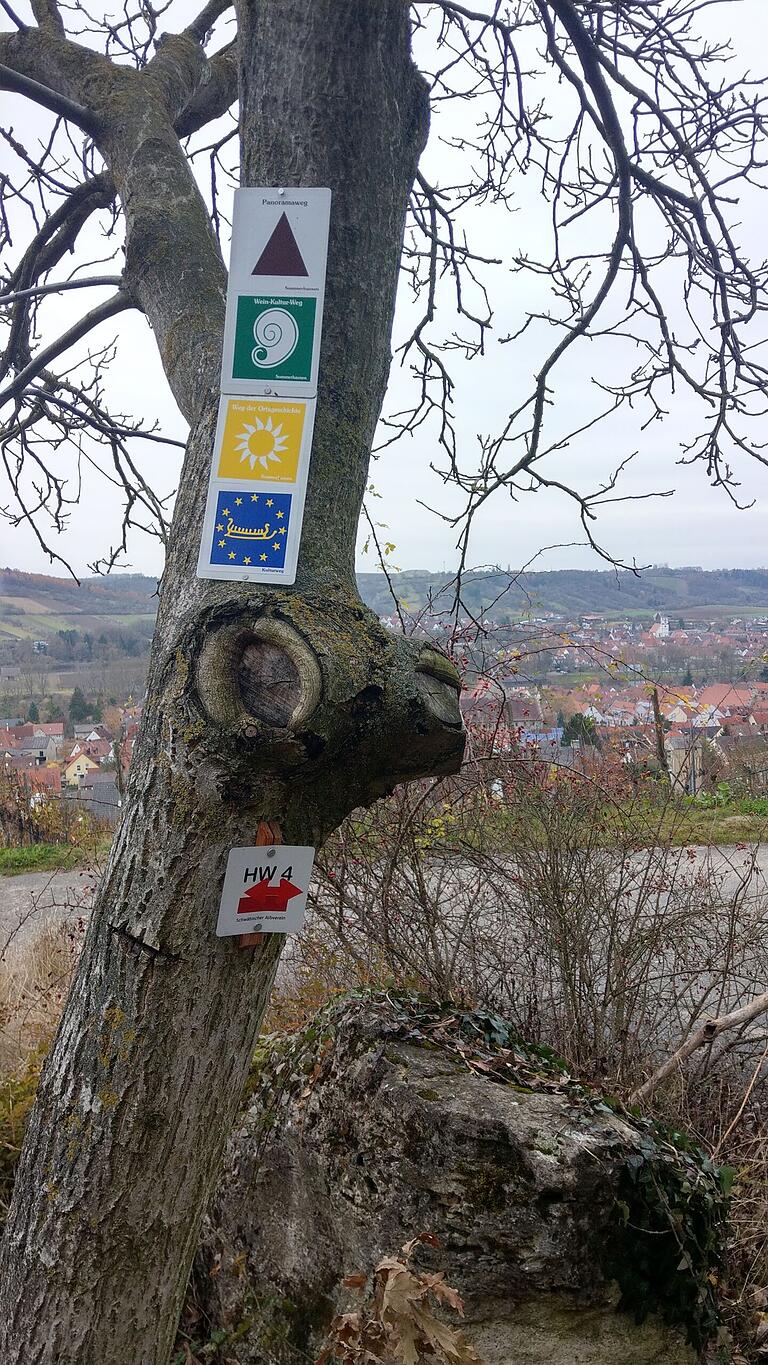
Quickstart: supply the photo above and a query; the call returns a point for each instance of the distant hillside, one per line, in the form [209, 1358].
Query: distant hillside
[569, 592]
[35, 606]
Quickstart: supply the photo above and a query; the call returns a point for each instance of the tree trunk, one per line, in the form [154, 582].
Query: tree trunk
[658, 730]
[143, 1082]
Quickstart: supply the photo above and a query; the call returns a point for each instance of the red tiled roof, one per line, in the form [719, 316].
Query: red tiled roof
[43, 779]
[726, 696]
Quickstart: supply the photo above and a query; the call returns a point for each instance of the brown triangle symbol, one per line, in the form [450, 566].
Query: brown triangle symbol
[281, 255]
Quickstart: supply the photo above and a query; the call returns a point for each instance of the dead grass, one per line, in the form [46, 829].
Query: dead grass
[34, 979]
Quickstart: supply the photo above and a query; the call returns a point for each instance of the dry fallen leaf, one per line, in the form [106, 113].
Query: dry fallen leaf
[399, 1325]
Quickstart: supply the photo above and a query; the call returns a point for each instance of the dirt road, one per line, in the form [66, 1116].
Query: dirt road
[27, 900]
[30, 899]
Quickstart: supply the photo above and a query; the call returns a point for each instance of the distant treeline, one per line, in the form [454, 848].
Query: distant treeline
[499, 594]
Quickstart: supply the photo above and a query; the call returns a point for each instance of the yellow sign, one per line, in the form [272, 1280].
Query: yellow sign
[261, 439]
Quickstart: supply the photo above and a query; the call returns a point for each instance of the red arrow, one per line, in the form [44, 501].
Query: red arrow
[262, 897]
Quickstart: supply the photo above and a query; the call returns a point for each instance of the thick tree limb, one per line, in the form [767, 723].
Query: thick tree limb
[47, 14]
[215, 94]
[49, 99]
[173, 263]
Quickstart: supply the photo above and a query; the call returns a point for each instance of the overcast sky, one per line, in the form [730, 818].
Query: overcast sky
[697, 525]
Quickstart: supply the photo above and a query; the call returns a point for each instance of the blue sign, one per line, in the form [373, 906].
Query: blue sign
[251, 529]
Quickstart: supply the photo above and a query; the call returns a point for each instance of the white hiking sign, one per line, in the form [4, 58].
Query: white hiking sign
[265, 890]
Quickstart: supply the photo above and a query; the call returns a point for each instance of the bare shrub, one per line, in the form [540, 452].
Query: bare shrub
[566, 902]
[31, 815]
[35, 972]
[562, 899]
[20, 822]
[563, 904]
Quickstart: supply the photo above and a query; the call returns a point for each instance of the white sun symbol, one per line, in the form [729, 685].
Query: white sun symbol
[261, 443]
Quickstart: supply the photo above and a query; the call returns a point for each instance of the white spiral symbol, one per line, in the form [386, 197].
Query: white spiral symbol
[276, 335]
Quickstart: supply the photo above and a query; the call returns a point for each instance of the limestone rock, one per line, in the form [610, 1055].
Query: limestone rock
[375, 1137]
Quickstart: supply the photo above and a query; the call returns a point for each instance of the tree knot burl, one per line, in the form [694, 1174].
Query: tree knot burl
[258, 669]
[309, 681]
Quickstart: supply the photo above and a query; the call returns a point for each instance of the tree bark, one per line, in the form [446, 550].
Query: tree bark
[143, 1081]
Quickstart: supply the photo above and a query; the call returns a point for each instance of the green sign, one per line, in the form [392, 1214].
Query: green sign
[274, 338]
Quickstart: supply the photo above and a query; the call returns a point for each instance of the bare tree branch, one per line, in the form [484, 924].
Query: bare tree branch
[117, 304]
[651, 141]
[701, 1037]
[649, 130]
[203, 22]
[216, 93]
[60, 287]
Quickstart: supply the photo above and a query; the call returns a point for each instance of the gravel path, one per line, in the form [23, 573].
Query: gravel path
[30, 899]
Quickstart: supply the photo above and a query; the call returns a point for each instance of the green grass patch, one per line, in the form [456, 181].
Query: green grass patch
[726, 825]
[507, 827]
[51, 857]
[11, 627]
[580, 678]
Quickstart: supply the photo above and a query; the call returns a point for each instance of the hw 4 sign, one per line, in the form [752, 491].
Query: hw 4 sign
[265, 890]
